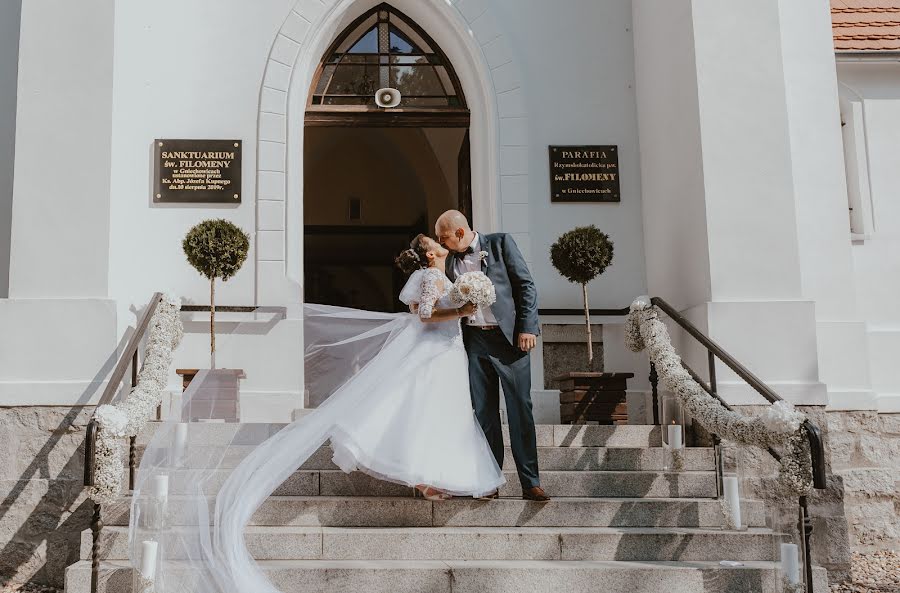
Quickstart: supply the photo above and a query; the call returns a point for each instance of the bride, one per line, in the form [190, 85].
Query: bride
[419, 429]
[398, 408]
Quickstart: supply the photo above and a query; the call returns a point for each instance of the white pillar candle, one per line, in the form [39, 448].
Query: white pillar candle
[148, 559]
[181, 433]
[790, 563]
[675, 440]
[161, 487]
[733, 498]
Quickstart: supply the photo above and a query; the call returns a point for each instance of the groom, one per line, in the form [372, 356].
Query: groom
[498, 341]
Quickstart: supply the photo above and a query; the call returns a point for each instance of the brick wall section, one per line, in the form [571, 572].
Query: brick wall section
[830, 543]
[43, 507]
[865, 454]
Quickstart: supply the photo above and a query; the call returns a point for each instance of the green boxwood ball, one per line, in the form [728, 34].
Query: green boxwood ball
[216, 248]
[582, 254]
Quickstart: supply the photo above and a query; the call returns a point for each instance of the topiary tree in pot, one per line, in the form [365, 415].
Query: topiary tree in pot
[216, 249]
[581, 255]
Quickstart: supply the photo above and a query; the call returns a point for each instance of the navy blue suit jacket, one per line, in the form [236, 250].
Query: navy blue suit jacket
[516, 308]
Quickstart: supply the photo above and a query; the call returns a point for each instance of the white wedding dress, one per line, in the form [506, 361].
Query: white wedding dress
[398, 408]
[418, 426]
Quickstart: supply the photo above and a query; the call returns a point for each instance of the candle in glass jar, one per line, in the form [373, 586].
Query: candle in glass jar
[790, 563]
[161, 487]
[733, 498]
[181, 432]
[675, 440]
[148, 559]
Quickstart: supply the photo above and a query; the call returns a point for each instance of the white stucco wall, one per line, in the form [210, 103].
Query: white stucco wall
[578, 67]
[720, 209]
[61, 206]
[59, 329]
[211, 70]
[724, 238]
[572, 98]
[870, 92]
[10, 14]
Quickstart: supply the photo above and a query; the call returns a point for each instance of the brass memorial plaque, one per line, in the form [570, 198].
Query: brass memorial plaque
[584, 174]
[197, 171]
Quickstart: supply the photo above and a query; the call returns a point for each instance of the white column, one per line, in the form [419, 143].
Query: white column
[10, 13]
[720, 218]
[59, 326]
[60, 232]
[820, 194]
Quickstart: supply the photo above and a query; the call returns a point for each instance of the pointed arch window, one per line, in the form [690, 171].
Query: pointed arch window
[384, 48]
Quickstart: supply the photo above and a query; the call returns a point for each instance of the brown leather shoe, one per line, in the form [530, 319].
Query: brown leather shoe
[493, 496]
[535, 494]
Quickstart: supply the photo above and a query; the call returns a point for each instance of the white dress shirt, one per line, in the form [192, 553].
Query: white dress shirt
[472, 263]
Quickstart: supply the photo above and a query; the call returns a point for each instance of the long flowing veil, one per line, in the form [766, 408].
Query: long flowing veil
[201, 479]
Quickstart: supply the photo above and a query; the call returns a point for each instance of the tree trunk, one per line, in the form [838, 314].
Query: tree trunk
[212, 322]
[587, 320]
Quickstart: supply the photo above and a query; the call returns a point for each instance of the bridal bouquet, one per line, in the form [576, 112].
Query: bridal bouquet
[475, 288]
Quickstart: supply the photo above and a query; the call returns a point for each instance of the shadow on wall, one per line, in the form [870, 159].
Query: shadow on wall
[44, 507]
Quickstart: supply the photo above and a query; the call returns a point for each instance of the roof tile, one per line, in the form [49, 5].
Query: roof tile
[866, 25]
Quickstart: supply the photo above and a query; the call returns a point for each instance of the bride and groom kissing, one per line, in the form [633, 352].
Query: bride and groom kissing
[398, 392]
[424, 432]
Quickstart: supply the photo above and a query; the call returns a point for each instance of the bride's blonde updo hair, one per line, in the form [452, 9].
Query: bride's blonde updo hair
[414, 258]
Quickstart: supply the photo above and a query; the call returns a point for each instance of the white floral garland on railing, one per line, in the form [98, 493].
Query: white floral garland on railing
[127, 418]
[780, 425]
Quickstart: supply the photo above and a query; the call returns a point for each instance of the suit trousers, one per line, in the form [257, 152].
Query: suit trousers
[494, 361]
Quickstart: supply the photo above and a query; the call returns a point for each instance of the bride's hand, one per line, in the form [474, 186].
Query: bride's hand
[467, 310]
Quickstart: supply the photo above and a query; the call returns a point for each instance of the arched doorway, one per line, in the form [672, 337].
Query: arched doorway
[375, 177]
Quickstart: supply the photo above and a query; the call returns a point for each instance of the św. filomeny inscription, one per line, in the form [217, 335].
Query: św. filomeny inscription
[584, 174]
[207, 171]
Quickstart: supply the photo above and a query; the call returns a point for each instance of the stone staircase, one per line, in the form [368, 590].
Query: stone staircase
[617, 522]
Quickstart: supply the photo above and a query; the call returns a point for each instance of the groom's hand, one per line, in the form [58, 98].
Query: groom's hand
[527, 342]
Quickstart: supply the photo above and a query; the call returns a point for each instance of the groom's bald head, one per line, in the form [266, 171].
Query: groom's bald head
[453, 230]
[450, 221]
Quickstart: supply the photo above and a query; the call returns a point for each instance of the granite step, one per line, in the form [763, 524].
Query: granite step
[548, 435]
[328, 511]
[479, 576]
[549, 458]
[600, 484]
[478, 543]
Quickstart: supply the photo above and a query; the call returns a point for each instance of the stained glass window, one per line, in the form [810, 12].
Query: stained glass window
[384, 48]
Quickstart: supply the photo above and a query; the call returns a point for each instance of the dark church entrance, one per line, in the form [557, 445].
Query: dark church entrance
[373, 177]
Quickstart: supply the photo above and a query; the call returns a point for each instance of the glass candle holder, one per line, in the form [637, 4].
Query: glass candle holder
[731, 492]
[144, 577]
[672, 434]
[788, 546]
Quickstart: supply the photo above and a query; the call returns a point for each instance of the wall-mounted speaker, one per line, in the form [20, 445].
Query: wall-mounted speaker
[387, 97]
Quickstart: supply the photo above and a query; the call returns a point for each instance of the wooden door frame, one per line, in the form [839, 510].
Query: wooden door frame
[354, 117]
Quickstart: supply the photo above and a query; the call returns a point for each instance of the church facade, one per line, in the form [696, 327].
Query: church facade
[741, 156]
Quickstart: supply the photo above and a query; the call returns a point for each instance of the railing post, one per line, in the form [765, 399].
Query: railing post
[132, 455]
[96, 526]
[132, 462]
[804, 525]
[654, 385]
[720, 465]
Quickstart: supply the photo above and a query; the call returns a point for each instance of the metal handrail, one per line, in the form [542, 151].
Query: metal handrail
[128, 357]
[714, 351]
[813, 435]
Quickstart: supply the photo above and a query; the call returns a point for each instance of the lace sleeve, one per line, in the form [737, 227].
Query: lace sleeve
[430, 293]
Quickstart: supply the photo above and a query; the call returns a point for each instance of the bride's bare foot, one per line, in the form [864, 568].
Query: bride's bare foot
[430, 493]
